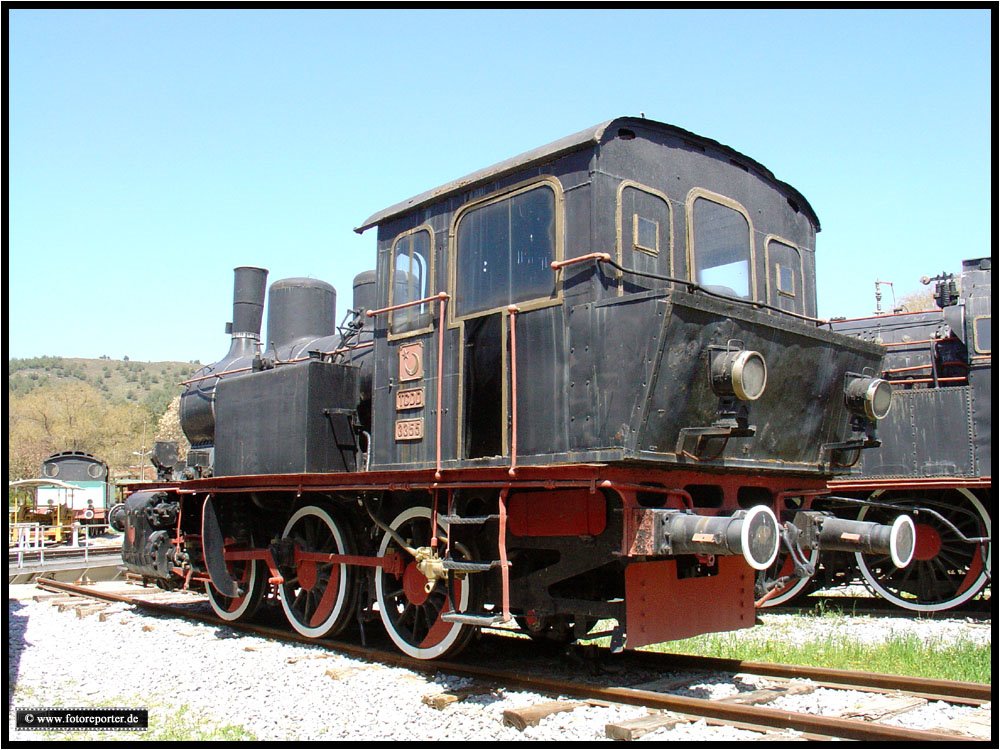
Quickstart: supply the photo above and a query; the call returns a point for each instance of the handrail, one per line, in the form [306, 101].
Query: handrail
[439, 296]
[219, 375]
[558, 264]
[443, 300]
[513, 311]
[893, 370]
[692, 286]
[914, 343]
[338, 350]
[919, 381]
[502, 549]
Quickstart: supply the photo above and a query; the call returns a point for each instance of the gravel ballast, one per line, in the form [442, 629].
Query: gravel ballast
[224, 684]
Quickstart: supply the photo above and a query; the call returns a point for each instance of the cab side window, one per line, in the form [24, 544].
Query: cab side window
[723, 256]
[410, 280]
[504, 249]
[982, 333]
[644, 218]
[784, 270]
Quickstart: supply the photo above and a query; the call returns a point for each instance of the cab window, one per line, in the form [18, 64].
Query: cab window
[411, 254]
[504, 249]
[785, 276]
[644, 220]
[722, 250]
[983, 334]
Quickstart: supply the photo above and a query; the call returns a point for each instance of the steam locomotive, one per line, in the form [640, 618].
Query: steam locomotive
[935, 460]
[580, 385]
[80, 485]
[73, 489]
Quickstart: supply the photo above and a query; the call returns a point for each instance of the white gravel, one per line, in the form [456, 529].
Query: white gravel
[214, 678]
[870, 629]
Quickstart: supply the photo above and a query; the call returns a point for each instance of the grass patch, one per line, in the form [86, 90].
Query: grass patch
[185, 725]
[902, 655]
[778, 640]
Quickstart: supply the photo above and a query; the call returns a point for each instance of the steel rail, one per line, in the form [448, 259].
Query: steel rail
[758, 716]
[972, 693]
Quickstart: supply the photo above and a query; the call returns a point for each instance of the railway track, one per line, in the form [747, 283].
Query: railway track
[745, 711]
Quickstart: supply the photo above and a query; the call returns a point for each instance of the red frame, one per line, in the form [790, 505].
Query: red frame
[627, 483]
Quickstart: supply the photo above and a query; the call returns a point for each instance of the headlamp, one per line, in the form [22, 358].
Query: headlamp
[742, 374]
[868, 397]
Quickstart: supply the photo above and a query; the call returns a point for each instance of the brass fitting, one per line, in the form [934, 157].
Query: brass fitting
[431, 565]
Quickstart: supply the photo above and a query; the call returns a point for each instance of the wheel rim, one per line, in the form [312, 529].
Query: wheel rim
[783, 566]
[945, 572]
[249, 576]
[317, 598]
[412, 616]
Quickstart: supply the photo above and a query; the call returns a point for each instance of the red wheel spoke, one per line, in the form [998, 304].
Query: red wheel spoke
[316, 598]
[415, 625]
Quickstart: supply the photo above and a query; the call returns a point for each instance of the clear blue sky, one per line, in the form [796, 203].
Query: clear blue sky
[151, 152]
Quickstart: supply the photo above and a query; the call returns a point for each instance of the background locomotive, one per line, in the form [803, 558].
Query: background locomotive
[934, 461]
[578, 386]
[87, 498]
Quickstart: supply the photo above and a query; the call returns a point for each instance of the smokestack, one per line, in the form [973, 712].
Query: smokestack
[198, 399]
[248, 301]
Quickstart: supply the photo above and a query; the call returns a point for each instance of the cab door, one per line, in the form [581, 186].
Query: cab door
[503, 247]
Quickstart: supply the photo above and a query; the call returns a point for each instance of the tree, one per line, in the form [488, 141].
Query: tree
[169, 428]
[922, 299]
[72, 416]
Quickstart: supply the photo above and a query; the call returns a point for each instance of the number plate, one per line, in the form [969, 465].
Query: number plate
[409, 429]
[411, 399]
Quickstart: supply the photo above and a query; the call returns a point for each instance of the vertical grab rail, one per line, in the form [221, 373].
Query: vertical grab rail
[504, 567]
[442, 298]
[513, 311]
[934, 372]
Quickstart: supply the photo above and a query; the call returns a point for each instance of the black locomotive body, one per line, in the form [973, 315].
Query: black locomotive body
[935, 460]
[578, 386]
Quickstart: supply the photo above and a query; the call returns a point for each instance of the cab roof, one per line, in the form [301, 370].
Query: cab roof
[587, 138]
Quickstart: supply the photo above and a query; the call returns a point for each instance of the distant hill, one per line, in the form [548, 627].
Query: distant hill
[153, 384]
[114, 409]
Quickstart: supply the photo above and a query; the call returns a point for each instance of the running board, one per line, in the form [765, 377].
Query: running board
[465, 619]
[466, 520]
[461, 566]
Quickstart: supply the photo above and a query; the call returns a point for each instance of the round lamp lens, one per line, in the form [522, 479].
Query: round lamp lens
[749, 376]
[879, 399]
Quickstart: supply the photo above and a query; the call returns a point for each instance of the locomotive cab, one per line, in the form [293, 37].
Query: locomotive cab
[598, 281]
